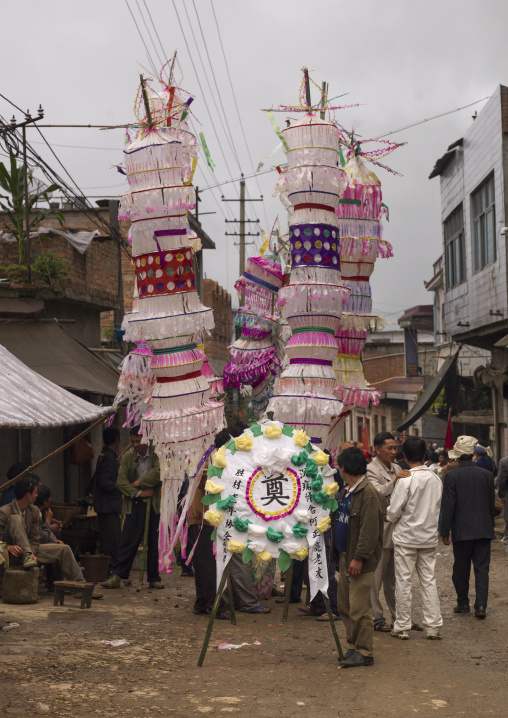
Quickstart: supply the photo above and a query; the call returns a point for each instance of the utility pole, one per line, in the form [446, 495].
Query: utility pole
[242, 222]
[12, 127]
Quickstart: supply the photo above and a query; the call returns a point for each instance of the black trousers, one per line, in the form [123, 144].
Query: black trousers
[300, 573]
[478, 552]
[109, 535]
[132, 536]
[205, 567]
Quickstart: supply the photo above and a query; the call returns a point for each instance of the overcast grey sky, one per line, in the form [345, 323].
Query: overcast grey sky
[402, 61]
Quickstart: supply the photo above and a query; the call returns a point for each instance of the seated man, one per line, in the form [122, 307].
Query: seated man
[19, 529]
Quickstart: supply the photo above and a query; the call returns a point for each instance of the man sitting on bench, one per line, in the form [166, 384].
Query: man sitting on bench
[19, 529]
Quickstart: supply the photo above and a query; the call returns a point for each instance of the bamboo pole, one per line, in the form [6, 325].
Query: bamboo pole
[145, 542]
[231, 604]
[288, 577]
[332, 624]
[56, 452]
[213, 614]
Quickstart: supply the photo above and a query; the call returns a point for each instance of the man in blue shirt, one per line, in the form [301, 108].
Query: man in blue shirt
[357, 541]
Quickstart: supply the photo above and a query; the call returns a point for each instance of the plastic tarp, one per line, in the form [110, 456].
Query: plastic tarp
[50, 351]
[28, 400]
[79, 240]
[430, 393]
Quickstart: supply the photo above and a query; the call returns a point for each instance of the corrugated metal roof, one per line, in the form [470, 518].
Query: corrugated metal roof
[28, 400]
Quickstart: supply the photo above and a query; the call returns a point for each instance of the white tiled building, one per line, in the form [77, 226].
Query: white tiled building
[474, 200]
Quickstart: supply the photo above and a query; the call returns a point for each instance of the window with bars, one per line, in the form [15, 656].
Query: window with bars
[454, 247]
[484, 221]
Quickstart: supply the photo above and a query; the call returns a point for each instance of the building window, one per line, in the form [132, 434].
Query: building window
[484, 222]
[383, 423]
[454, 247]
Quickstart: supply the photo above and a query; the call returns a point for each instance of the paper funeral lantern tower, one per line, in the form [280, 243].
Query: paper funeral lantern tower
[254, 356]
[180, 420]
[311, 187]
[270, 492]
[359, 212]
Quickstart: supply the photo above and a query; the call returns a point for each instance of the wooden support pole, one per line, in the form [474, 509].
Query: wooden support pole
[215, 606]
[145, 542]
[55, 453]
[288, 577]
[231, 604]
[307, 88]
[332, 624]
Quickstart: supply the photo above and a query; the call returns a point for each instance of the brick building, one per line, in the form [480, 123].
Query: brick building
[221, 337]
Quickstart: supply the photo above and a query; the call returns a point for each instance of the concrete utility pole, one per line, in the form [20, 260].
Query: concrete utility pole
[242, 222]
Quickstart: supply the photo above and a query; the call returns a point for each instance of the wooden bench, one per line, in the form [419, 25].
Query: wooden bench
[86, 588]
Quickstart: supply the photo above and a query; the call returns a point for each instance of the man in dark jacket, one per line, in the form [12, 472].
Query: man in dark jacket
[358, 541]
[468, 512]
[108, 497]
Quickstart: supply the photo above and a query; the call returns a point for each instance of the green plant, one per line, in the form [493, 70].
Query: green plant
[50, 267]
[14, 205]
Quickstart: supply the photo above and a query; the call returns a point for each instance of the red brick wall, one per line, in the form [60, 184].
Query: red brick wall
[383, 362]
[220, 339]
[92, 277]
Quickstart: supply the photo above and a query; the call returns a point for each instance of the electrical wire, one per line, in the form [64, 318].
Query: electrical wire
[139, 33]
[237, 108]
[149, 33]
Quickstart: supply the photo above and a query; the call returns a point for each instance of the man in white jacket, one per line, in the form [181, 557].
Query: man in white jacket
[414, 511]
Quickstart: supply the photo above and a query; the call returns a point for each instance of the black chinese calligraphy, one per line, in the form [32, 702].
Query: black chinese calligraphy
[275, 486]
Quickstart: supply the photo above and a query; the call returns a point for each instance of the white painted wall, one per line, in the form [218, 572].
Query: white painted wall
[482, 153]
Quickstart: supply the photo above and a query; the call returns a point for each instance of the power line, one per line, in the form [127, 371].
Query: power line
[236, 105]
[139, 33]
[149, 33]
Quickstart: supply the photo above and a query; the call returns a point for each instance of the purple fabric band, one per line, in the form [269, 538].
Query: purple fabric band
[170, 232]
[315, 245]
[319, 362]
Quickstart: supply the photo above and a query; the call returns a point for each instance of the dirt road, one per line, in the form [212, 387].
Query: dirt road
[57, 659]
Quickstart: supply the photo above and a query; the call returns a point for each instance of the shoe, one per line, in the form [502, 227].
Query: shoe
[461, 609]
[416, 627]
[277, 591]
[187, 574]
[199, 612]
[324, 617]
[403, 635]
[382, 626]
[434, 636]
[256, 609]
[355, 660]
[480, 612]
[223, 616]
[347, 654]
[114, 581]
[282, 600]
[27, 561]
[308, 612]
[155, 584]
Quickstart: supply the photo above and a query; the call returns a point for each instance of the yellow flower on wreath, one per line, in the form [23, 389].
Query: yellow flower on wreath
[272, 431]
[301, 554]
[331, 489]
[324, 524]
[213, 488]
[264, 556]
[320, 457]
[236, 546]
[244, 442]
[219, 457]
[301, 438]
[213, 517]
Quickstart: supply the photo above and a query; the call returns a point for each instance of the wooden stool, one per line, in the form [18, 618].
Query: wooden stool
[86, 588]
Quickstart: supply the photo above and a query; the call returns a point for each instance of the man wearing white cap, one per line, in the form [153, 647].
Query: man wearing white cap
[468, 512]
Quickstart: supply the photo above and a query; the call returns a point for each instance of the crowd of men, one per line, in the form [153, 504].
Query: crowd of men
[388, 522]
